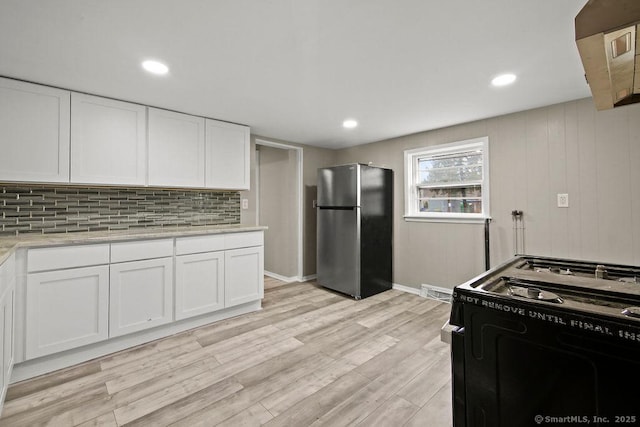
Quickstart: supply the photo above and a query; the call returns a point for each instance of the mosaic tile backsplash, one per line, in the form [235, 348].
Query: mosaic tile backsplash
[59, 209]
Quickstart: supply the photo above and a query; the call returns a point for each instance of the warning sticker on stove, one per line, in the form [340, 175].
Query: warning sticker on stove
[572, 320]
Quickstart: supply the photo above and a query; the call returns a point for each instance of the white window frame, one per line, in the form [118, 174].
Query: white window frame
[411, 212]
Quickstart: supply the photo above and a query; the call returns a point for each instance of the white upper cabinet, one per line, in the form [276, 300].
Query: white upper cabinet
[53, 135]
[34, 132]
[176, 149]
[108, 141]
[227, 154]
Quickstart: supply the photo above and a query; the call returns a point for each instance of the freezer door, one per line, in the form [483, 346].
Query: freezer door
[338, 186]
[339, 250]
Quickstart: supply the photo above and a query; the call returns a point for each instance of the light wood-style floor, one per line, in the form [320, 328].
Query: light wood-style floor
[310, 357]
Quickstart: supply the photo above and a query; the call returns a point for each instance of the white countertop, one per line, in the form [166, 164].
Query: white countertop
[9, 244]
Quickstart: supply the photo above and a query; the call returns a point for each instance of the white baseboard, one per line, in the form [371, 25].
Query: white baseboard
[281, 277]
[309, 277]
[407, 289]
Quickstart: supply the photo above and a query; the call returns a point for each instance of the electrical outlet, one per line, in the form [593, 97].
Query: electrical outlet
[563, 200]
[245, 203]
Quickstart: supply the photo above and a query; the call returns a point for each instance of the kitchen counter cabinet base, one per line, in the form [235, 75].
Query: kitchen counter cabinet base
[43, 365]
[127, 314]
[244, 275]
[141, 295]
[199, 284]
[7, 324]
[66, 309]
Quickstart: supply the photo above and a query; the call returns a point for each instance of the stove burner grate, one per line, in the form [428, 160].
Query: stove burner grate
[583, 269]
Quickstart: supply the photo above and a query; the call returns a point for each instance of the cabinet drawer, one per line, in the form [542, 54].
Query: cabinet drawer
[147, 249]
[243, 240]
[67, 257]
[199, 244]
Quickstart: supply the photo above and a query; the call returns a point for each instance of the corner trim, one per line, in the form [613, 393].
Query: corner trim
[281, 278]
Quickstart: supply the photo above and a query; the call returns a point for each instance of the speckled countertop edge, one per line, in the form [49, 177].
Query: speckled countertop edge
[9, 244]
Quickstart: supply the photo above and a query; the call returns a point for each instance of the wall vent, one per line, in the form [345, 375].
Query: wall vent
[434, 292]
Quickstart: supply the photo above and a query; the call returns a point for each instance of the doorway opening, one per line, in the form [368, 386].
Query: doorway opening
[279, 207]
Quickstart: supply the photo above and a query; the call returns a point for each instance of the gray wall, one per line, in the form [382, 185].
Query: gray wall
[565, 148]
[313, 158]
[278, 209]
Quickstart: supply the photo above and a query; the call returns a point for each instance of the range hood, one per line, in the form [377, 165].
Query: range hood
[607, 34]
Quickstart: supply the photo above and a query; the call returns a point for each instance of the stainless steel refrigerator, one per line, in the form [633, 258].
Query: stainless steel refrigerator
[355, 229]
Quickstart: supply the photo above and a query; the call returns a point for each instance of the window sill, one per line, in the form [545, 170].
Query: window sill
[460, 220]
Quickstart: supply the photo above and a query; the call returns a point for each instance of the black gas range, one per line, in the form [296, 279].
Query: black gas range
[545, 341]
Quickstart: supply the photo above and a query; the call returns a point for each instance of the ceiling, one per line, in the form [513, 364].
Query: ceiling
[295, 69]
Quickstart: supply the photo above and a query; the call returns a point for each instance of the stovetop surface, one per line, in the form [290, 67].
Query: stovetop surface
[589, 287]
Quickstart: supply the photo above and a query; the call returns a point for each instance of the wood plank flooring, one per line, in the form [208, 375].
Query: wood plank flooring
[310, 357]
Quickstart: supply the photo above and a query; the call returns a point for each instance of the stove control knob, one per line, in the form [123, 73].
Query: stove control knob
[533, 293]
[601, 272]
[632, 312]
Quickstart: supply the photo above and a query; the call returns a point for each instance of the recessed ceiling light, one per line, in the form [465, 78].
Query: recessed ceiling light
[155, 67]
[503, 80]
[349, 124]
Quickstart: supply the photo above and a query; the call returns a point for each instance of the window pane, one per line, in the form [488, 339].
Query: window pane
[450, 205]
[474, 191]
[450, 175]
[465, 159]
[448, 181]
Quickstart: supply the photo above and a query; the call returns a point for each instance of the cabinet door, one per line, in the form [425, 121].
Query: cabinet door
[199, 284]
[244, 280]
[9, 331]
[66, 309]
[4, 378]
[140, 295]
[227, 153]
[176, 149]
[108, 141]
[34, 132]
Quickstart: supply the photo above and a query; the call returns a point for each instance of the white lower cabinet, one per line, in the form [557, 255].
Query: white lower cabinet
[4, 378]
[199, 284]
[244, 275]
[84, 301]
[141, 295]
[66, 309]
[7, 326]
[6, 339]
[8, 309]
